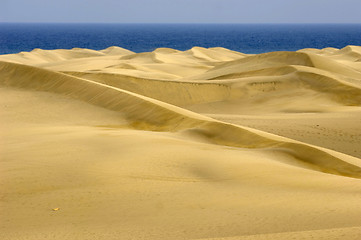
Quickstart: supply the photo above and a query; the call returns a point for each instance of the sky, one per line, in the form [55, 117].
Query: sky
[181, 11]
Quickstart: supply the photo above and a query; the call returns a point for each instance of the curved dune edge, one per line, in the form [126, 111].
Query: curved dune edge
[284, 58]
[229, 87]
[179, 93]
[150, 114]
[304, 73]
[40, 56]
[115, 99]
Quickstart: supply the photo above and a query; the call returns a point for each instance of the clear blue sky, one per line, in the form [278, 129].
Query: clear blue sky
[182, 11]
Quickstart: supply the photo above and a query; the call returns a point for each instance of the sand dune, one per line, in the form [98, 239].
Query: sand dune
[200, 144]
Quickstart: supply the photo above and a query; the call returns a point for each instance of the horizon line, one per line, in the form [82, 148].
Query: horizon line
[203, 23]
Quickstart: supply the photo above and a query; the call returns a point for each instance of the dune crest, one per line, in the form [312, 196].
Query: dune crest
[169, 144]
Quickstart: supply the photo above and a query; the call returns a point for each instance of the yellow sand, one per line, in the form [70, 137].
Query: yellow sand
[202, 144]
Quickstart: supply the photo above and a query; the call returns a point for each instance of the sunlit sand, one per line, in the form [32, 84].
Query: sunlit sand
[199, 144]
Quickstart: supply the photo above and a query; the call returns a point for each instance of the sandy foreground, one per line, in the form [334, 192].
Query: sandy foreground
[202, 144]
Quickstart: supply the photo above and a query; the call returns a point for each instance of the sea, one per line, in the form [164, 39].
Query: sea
[246, 38]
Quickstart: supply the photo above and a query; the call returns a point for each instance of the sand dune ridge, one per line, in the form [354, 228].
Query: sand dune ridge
[169, 144]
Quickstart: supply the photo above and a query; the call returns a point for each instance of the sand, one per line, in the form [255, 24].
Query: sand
[203, 144]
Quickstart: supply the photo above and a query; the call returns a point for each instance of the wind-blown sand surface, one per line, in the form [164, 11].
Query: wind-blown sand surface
[201, 144]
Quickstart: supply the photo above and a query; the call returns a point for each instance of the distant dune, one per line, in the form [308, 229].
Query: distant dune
[197, 144]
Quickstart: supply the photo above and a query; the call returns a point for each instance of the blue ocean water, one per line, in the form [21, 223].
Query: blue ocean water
[247, 38]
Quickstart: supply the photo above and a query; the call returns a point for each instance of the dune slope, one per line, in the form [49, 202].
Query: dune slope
[201, 144]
